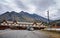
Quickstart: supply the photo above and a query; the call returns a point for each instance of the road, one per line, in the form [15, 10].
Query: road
[22, 34]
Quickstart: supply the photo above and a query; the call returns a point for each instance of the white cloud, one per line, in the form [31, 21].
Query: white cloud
[31, 8]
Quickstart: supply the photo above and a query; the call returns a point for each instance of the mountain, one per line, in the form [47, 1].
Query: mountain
[22, 17]
[56, 21]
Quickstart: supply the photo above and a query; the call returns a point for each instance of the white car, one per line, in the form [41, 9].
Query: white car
[30, 28]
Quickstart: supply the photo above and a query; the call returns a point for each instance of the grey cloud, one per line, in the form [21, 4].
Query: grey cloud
[43, 4]
[58, 13]
[4, 8]
[20, 4]
[40, 4]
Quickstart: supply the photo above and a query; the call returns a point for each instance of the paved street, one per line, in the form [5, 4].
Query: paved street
[22, 34]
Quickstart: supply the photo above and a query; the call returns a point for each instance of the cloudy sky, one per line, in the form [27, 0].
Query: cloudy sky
[39, 7]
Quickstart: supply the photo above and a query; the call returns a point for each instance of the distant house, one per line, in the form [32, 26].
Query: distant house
[55, 25]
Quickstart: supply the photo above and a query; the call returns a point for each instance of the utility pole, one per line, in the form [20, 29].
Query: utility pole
[48, 22]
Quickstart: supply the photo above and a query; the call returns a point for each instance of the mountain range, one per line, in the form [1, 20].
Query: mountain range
[22, 17]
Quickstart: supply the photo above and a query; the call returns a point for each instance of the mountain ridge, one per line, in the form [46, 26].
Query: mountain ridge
[22, 16]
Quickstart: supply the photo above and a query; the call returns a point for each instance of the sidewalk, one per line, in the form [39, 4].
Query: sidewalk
[54, 29]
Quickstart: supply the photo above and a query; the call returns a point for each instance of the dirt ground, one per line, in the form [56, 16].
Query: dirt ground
[52, 34]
